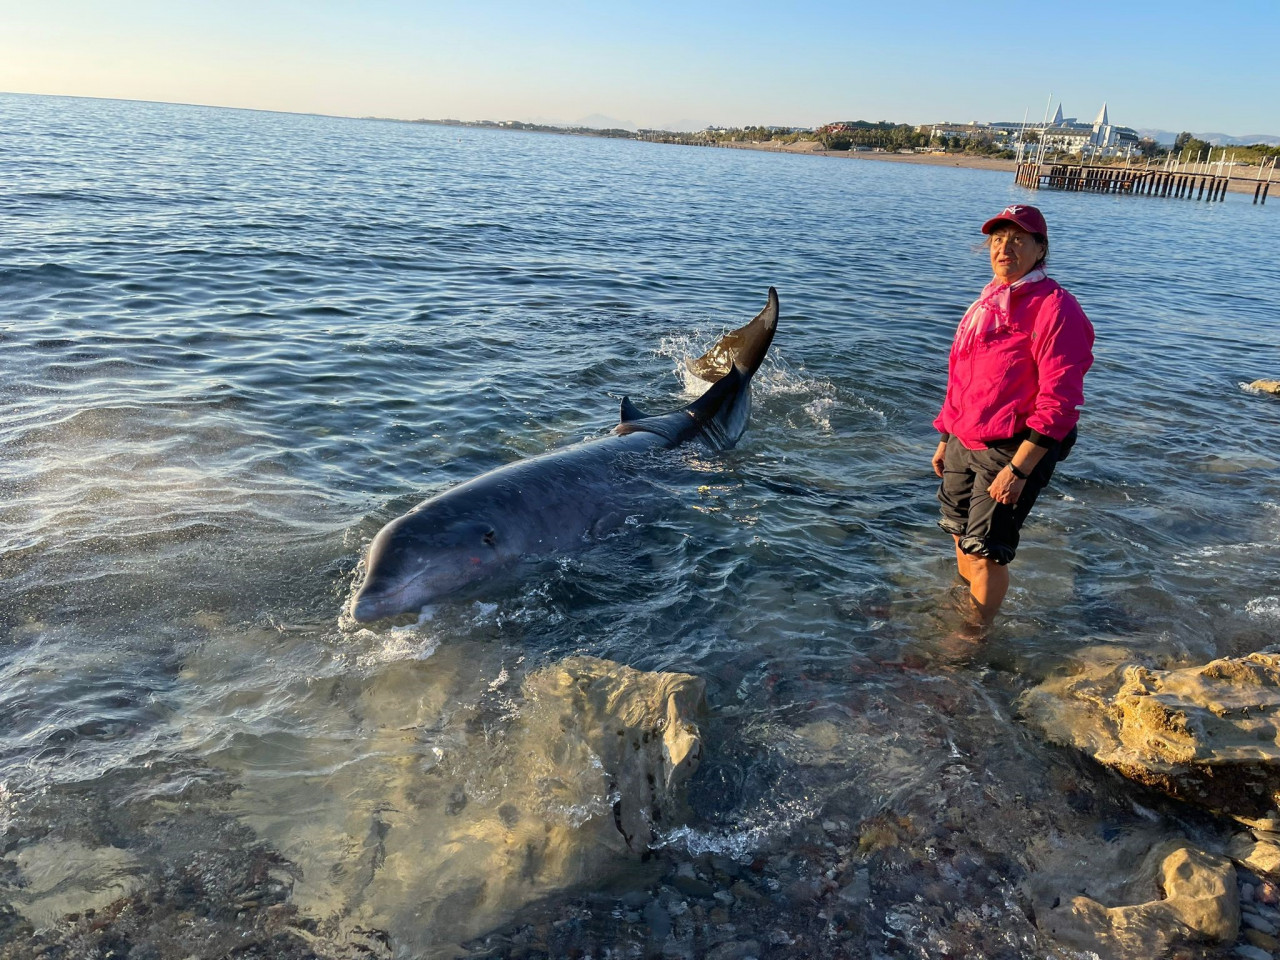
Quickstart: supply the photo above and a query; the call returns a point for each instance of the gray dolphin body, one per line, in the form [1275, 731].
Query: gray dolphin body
[556, 501]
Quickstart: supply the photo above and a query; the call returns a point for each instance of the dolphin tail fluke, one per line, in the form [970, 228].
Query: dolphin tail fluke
[744, 348]
[719, 417]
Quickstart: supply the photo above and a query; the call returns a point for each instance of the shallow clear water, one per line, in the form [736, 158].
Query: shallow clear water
[234, 344]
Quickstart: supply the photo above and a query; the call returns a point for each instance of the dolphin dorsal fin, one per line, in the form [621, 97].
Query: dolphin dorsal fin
[631, 412]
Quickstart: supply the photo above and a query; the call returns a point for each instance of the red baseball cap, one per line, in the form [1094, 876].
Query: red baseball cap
[1020, 214]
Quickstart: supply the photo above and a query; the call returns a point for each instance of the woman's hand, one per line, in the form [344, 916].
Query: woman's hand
[1006, 488]
[938, 456]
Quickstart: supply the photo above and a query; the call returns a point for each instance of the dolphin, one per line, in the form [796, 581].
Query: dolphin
[557, 500]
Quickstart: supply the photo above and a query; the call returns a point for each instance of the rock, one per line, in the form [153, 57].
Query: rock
[1256, 921]
[693, 887]
[1200, 904]
[1247, 952]
[802, 892]
[1209, 734]
[566, 778]
[640, 725]
[1270, 914]
[1266, 386]
[57, 878]
[1263, 940]
[859, 889]
[659, 921]
[1260, 856]
[634, 899]
[735, 950]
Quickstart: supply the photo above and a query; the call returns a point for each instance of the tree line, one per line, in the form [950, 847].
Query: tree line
[885, 135]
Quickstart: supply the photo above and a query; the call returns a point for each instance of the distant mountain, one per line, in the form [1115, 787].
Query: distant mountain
[1226, 140]
[1166, 138]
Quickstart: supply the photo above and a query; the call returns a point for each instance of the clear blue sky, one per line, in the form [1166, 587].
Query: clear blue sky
[1204, 67]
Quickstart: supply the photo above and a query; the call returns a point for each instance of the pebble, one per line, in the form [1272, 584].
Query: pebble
[858, 889]
[658, 920]
[1267, 892]
[1262, 910]
[830, 826]
[735, 950]
[1260, 939]
[1255, 920]
[693, 887]
[634, 898]
[801, 892]
[726, 865]
[1246, 892]
[1252, 953]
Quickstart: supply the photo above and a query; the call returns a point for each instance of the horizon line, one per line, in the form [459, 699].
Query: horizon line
[444, 120]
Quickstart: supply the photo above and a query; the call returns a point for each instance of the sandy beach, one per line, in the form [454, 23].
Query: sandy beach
[1238, 183]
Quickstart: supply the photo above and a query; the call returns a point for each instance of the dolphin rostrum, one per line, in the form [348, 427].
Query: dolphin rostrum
[554, 501]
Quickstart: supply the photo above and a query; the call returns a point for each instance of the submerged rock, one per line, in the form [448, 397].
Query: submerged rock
[639, 726]
[1209, 735]
[435, 816]
[1200, 903]
[53, 879]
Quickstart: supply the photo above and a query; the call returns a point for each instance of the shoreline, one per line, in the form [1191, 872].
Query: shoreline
[1244, 185]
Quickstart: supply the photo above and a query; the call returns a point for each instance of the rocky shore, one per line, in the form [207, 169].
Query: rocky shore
[979, 861]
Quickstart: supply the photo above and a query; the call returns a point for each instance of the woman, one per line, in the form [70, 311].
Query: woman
[1015, 381]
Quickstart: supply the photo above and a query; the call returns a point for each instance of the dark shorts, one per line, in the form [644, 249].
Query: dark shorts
[986, 528]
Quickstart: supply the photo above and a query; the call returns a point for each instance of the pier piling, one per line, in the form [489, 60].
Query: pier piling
[1201, 182]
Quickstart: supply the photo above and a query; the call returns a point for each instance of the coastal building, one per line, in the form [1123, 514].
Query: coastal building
[973, 130]
[1068, 134]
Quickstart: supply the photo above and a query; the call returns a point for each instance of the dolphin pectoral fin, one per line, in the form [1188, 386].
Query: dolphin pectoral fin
[631, 412]
[744, 347]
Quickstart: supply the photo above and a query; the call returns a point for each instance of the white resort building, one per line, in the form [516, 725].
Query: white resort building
[1061, 133]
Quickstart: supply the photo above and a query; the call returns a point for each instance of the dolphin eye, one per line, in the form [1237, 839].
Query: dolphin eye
[490, 537]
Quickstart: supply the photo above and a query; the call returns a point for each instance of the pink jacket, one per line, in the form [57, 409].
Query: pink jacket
[1017, 363]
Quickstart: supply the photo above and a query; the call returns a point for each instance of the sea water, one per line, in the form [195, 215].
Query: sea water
[233, 344]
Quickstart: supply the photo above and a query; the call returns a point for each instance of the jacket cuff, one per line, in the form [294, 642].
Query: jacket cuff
[944, 436]
[1042, 440]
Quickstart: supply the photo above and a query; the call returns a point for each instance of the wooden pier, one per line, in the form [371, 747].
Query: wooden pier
[1198, 180]
[1179, 184]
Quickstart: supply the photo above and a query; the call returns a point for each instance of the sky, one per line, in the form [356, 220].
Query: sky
[1174, 65]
